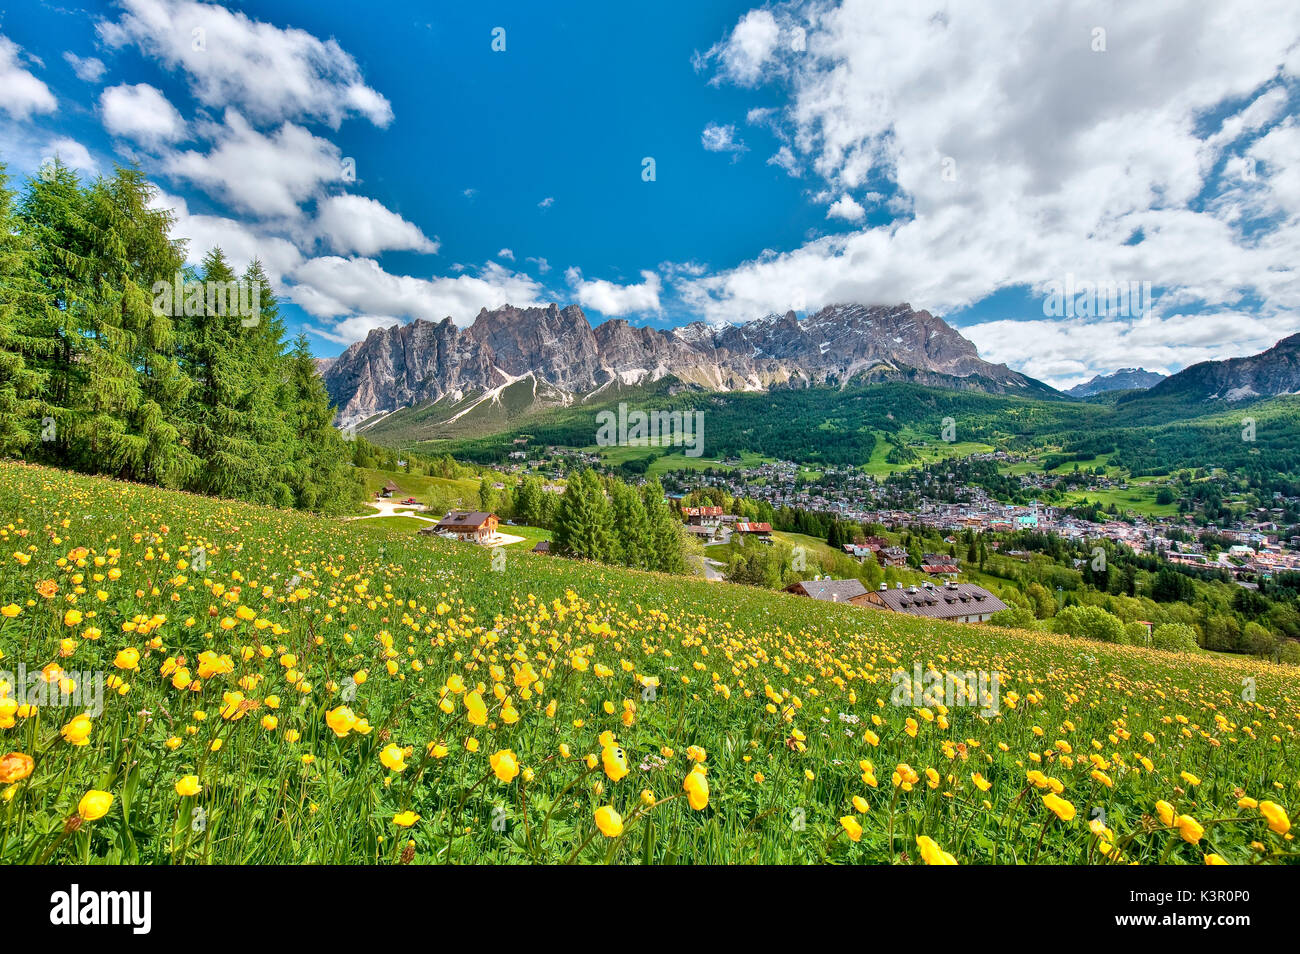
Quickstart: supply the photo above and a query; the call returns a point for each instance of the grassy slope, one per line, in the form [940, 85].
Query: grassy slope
[436, 604]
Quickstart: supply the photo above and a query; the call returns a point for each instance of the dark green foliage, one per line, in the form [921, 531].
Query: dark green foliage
[116, 359]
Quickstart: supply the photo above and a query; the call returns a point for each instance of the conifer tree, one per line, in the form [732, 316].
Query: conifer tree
[19, 408]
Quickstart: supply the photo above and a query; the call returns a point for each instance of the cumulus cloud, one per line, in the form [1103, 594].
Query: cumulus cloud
[846, 208]
[71, 153]
[238, 241]
[268, 73]
[613, 299]
[336, 287]
[353, 223]
[263, 175]
[547, 202]
[1068, 352]
[21, 93]
[141, 113]
[507, 254]
[1007, 170]
[89, 69]
[750, 48]
[716, 138]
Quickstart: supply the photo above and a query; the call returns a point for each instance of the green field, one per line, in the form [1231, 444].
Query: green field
[312, 685]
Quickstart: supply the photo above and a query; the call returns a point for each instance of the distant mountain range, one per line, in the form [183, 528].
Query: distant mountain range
[1267, 374]
[567, 360]
[1125, 379]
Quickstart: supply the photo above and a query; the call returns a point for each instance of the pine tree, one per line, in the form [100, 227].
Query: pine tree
[666, 547]
[19, 408]
[631, 527]
[583, 520]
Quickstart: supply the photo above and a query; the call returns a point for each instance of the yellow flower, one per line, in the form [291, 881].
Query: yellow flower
[1059, 806]
[981, 782]
[15, 767]
[477, 710]
[342, 720]
[505, 765]
[1277, 817]
[931, 853]
[128, 658]
[1166, 812]
[1189, 828]
[614, 760]
[72, 617]
[405, 819]
[94, 805]
[609, 821]
[393, 757]
[77, 732]
[188, 785]
[851, 827]
[10, 611]
[1214, 860]
[696, 787]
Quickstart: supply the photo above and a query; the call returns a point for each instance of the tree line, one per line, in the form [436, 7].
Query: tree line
[118, 359]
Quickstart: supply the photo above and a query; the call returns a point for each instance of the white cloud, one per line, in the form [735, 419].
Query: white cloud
[1068, 352]
[506, 254]
[268, 73]
[72, 153]
[336, 287]
[355, 328]
[543, 266]
[353, 223]
[547, 202]
[21, 93]
[267, 176]
[846, 208]
[89, 69]
[749, 49]
[141, 113]
[239, 242]
[716, 138]
[612, 299]
[1008, 170]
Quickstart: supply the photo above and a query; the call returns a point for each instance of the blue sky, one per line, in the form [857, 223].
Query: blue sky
[960, 157]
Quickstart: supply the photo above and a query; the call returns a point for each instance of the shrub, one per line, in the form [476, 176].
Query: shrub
[1089, 622]
[1175, 637]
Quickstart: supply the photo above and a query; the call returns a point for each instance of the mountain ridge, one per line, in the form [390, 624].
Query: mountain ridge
[423, 362]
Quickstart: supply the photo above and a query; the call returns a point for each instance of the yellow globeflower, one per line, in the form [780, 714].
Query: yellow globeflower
[614, 760]
[15, 767]
[188, 785]
[77, 732]
[609, 821]
[477, 710]
[393, 757]
[931, 853]
[851, 827]
[94, 805]
[1277, 817]
[405, 819]
[505, 765]
[697, 789]
[1059, 806]
[342, 720]
[1189, 828]
[1166, 812]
